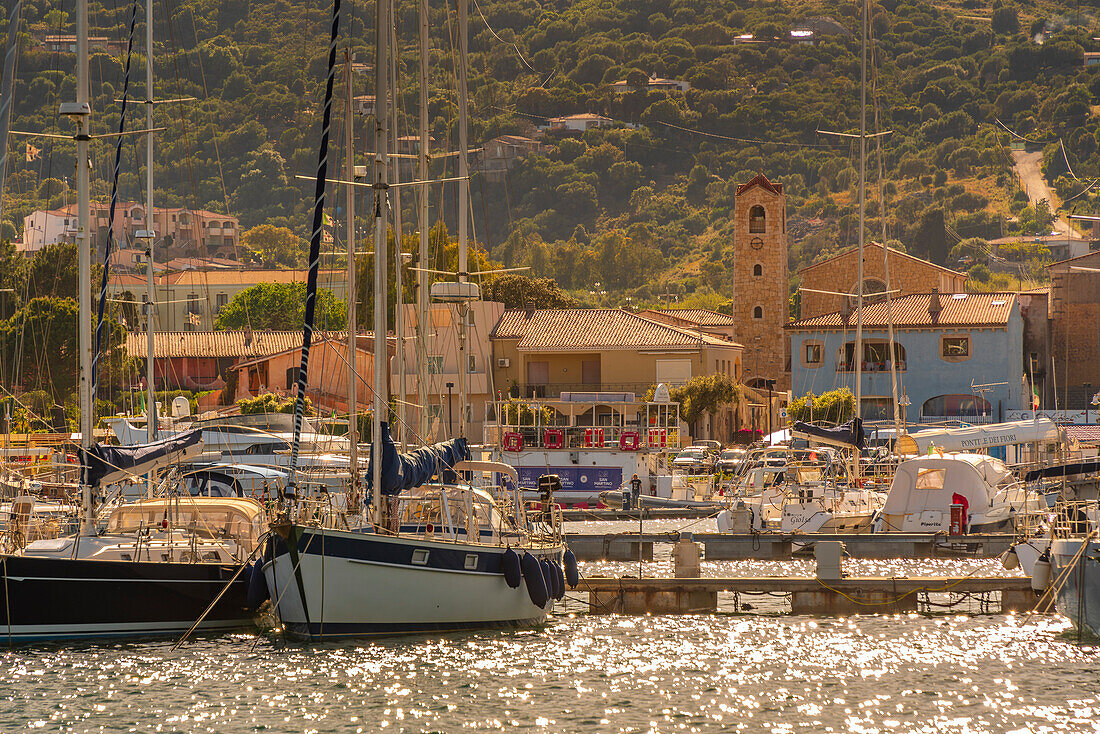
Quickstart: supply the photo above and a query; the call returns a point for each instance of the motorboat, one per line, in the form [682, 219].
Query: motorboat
[980, 490]
[1075, 566]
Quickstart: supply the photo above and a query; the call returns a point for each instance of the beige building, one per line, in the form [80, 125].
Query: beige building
[839, 274]
[544, 353]
[190, 300]
[760, 287]
[440, 336]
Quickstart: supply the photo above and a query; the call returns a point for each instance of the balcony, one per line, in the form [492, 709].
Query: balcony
[869, 366]
[554, 390]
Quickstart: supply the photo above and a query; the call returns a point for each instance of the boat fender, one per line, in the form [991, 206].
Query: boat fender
[1009, 559]
[572, 573]
[725, 521]
[532, 576]
[257, 586]
[1040, 573]
[559, 581]
[512, 573]
[548, 574]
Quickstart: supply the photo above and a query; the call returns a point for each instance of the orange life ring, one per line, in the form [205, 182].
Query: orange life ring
[513, 441]
[629, 441]
[553, 438]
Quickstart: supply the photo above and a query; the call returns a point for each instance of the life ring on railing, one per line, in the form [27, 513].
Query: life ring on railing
[629, 441]
[553, 438]
[593, 438]
[513, 441]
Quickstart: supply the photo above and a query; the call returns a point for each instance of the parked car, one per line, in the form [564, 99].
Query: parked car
[693, 460]
[730, 460]
[714, 446]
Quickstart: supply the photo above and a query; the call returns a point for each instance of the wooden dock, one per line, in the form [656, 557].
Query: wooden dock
[784, 546]
[809, 595]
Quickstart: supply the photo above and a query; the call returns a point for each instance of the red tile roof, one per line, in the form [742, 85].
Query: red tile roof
[594, 329]
[170, 344]
[912, 312]
[695, 316]
[760, 180]
[1083, 434]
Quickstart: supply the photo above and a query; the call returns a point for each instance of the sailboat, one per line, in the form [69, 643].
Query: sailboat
[160, 564]
[432, 551]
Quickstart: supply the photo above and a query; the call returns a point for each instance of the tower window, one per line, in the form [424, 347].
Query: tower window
[757, 219]
[757, 312]
[757, 270]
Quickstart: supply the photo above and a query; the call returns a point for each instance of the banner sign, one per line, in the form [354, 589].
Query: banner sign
[593, 479]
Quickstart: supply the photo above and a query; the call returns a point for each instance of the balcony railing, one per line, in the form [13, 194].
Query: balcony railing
[579, 438]
[870, 366]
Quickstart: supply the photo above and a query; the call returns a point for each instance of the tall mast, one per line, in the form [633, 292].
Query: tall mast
[353, 328]
[463, 205]
[422, 273]
[862, 193]
[150, 233]
[399, 262]
[81, 113]
[381, 146]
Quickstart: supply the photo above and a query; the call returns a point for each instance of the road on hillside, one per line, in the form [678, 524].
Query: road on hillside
[1029, 169]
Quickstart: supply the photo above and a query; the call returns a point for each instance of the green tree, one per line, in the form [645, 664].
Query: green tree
[836, 406]
[281, 306]
[515, 290]
[702, 394]
[274, 247]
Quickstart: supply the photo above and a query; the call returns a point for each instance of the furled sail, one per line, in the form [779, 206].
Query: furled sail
[849, 434]
[108, 464]
[416, 468]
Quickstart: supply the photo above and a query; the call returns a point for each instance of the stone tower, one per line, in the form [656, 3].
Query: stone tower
[760, 280]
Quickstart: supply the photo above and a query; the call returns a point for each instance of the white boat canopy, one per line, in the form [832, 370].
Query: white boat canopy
[924, 488]
[973, 438]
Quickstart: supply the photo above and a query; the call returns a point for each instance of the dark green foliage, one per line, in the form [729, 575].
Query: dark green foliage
[281, 307]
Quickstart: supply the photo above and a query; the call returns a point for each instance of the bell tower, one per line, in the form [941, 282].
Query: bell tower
[760, 279]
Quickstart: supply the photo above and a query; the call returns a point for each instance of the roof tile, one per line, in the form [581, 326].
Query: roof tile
[588, 329]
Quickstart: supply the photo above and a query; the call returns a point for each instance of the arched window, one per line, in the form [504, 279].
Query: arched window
[758, 312]
[873, 290]
[956, 406]
[757, 270]
[757, 219]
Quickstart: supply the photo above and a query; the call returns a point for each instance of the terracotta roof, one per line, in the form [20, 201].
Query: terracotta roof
[1083, 434]
[893, 254]
[591, 329]
[760, 180]
[233, 276]
[694, 316]
[168, 344]
[912, 312]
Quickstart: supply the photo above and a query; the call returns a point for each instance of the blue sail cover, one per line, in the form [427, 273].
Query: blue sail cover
[416, 468]
[849, 434]
[108, 464]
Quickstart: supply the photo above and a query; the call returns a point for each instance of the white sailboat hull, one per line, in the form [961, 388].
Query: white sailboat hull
[359, 583]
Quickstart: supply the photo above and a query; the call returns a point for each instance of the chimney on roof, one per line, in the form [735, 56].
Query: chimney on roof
[845, 309]
[530, 311]
[248, 337]
[934, 305]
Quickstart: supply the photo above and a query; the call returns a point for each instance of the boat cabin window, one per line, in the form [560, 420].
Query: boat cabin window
[929, 479]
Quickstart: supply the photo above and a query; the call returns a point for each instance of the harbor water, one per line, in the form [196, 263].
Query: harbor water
[723, 672]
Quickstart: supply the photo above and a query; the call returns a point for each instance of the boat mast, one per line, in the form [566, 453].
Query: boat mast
[463, 205]
[81, 113]
[353, 330]
[381, 146]
[150, 233]
[5, 95]
[422, 274]
[399, 262]
[862, 215]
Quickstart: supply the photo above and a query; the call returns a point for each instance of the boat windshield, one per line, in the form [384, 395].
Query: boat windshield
[209, 521]
[467, 508]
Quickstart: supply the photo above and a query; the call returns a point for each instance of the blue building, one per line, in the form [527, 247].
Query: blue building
[959, 356]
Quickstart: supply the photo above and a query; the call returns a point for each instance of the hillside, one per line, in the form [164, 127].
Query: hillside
[640, 207]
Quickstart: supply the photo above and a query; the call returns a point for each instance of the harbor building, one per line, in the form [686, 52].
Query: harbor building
[958, 356]
[1074, 309]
